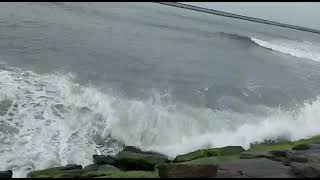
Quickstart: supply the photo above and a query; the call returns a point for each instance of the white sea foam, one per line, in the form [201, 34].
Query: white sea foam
[58, 122]
[302, 49]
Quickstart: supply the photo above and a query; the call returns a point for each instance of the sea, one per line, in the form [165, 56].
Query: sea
[85, 78]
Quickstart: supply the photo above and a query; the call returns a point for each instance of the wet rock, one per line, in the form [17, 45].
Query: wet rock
[301, 147]
[131, 158]
[255, 168]
[6, 174]
[306, 147]
[214, 160]
[279, 153]
[304, 156]
[102, 159]
[187, 171]
[314, 146]
[230, 174]
[69, 171]
[252, 155]
[224, 151]
[306, 170]
[120, 174]
[96, 167]
[71, 167]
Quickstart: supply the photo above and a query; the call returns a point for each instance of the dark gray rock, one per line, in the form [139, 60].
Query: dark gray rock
[96, 167]
[68, 171]
[131, 158]
[304, 156]
[102, 159]
[279, 153]
[301, 147]
[251, 155]
[6, 174]
[203, 153]
[71, 167]
[187, 171]
[230, 174]
[306, 170]
[255, 168]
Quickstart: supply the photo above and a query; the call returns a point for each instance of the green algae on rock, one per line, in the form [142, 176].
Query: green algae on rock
[224, 151]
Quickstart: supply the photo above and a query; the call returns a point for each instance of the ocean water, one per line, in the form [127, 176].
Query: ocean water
[78, 79]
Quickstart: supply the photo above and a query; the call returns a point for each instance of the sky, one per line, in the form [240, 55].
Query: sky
[304, 14]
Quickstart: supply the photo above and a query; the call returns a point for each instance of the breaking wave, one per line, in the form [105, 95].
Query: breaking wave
[302, 49]
[48, 120]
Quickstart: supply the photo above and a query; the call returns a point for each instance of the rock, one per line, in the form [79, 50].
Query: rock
[304, 156]
[96, 167]
[224, 151]
[230, 174]
[91, 171]
[214, 160]
[102, 159]
[301, 147]
[254, 168]
[314, 146]
[252, 155]
[71, 167]
[134, 159]
[132, 149]
[69, 171]
[306, 170]
[194, 155]
[120, 174]
[306, 147]
[229, 150]
[279, 153]
[6, 174]
[186, 171]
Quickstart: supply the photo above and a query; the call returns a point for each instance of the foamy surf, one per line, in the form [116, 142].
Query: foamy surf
[48, 120]
[302, 49]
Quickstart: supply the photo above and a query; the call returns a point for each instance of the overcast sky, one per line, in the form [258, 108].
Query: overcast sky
[305, 14]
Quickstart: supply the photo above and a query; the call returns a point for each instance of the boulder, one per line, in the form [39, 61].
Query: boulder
[214, 160]
[304, 156]
[120, 174]
[186, 171]
[253, 155]
[71, 167]
[229, 150]
[306, 170]
[279, 153]
[69, 171]
[229, 174]
[102, 159]
[131, 158]
[306, 147]
[254, 168]
[301, 147]
[6, 174]
[224, 151]
[104, 167]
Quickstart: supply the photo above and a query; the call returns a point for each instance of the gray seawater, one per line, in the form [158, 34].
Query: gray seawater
[78, 79]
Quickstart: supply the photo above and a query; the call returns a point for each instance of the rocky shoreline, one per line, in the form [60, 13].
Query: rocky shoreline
[283, 159]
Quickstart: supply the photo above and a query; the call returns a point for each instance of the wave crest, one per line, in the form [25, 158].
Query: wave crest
[301, 49]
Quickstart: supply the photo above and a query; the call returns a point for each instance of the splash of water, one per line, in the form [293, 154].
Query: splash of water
[52, 121]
